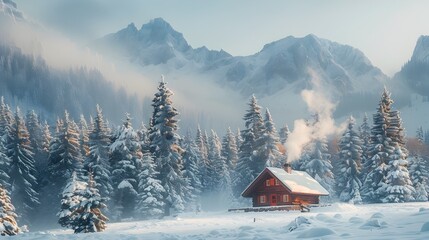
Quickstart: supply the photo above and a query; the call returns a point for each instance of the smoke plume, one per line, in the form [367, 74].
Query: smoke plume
[303, 132]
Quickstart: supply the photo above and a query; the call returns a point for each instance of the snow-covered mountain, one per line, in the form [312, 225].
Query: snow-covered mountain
[155, 43]
[286, 63]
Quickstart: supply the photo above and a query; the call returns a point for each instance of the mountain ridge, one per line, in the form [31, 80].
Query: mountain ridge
[288, 62]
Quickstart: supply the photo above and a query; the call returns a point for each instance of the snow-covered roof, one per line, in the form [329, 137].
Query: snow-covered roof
[296, 181]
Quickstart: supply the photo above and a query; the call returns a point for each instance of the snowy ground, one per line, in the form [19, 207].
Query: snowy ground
[339, 221]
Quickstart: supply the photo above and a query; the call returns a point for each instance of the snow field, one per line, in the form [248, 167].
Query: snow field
[339, 221]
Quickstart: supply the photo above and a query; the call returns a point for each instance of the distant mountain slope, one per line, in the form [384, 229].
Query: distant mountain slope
[27, 81]
[415, 73]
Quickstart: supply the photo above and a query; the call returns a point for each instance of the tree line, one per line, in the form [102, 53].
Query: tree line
[81, 175]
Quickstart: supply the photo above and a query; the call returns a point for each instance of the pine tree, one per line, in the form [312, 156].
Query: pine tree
[150, 203]
[144, 138]
[22, 170]
[36, 139]
[238, 139]
[126, 162]
[191, 171]
[4, 167]
[6, 120]
[97, 161]
[270, 148]
[350, 155]
[8, 225]
[398, 186]
[83, 136]
[229, 150]
[6, 131]
[202, 152]
[42, 162]
[365, 135]
[249, 165]
[319, 166]
[284, 134]
[419, 176]
[88, 216]
[81, 206]
[380, 149]
[166, 149]
[64, 154]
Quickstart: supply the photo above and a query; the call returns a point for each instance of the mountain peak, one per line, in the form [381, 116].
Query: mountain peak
[159, 23]
[421, 51]
[160, 32]
[132, 27]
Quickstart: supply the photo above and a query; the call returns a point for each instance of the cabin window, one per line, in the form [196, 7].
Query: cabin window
[269, 182]
[277, 182]
[285, 198]
[262, 199]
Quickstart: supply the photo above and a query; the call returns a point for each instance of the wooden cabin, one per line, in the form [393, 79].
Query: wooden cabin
[284, 186]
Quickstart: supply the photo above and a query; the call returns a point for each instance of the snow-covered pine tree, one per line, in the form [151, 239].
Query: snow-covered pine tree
[70, 200]
[42, 161]
[83, 137]
[202, 152]
[8, 225]
[97, 161]
[248, 164]
[6, 129]
[46, 140]
[380, 149]
[6, 120]
[64, 154]
[125, 160]
[222, 178]
[216, 162]
[365, 136]
[144, 137]
[35, 132]
[254, 120]
[419, 176]
[4, 167]
[398, 186]
[238, 140]
[319, 166]
[270, 148]
[229, 150]
[284, 134]
[88, 216]
[168, 153]
[150, 201]
[191, 172]
[350, 155]
[22, 170]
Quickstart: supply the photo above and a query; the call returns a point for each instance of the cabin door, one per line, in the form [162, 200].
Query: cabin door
[273, 200]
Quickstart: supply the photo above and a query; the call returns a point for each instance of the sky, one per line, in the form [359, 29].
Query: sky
[385, 30]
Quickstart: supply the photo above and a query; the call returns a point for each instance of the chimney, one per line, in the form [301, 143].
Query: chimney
[287, 167]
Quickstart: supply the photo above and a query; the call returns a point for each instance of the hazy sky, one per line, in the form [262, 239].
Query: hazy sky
[385, 30]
